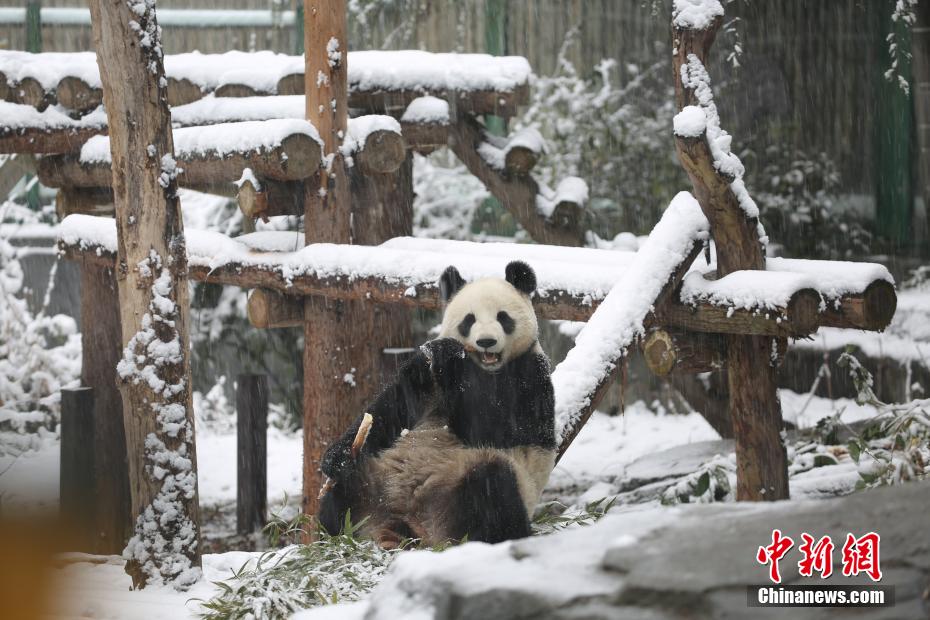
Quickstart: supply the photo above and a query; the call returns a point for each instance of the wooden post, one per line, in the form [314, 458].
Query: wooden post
[153, 295]
[251, 452]
[343, 339]
[100, 325]
[76, 481]
[762, 471]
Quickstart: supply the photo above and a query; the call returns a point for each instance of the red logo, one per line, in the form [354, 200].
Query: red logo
[860, 555]
[773, 553]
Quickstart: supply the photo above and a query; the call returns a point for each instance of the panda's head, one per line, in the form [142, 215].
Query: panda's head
[492, 317]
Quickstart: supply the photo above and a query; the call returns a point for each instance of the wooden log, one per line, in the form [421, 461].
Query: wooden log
[872, 310]
[664, 297]
[182, 91]
[271, 198]
[670, 351]
[251, 452]
[498, 103]
[6, 91]
[297, 157]
[156, 385]
[710, 400]
[424, 138]
[77, 473]
[41, 142]
[100, 325]
[516, 193]
[268, 309]
[30, 92]
[237, 90]
[383, 152]
[291, 84]
[762, 471]
[520, 160]
[76, 94]
[800, 317]
[382, 204]
[86, 200]
[559, 305]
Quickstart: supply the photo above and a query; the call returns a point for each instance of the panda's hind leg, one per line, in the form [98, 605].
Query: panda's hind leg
[486, 505]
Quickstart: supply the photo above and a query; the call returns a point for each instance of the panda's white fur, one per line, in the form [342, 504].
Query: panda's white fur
[484, 299]
[411, 484]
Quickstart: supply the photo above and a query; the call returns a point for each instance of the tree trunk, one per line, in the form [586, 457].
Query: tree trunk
[153, 295]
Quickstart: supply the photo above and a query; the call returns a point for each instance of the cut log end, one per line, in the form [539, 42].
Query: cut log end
[520, 160]
[182, 91]
[269, 309]
[30, 92]
[803, 312]
[301, 156]
[567, 216]
[252, 201]
[871, 310]
[667, 352]
[237, 90]
[383, 152]
[76, 94]
[292, 84]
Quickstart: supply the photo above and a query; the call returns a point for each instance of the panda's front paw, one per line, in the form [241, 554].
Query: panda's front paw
[444, 354]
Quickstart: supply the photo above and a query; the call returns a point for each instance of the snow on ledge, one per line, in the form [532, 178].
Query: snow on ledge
[691, 122]
[695, 14]
[427, 109]
[18, 116]
[222, 139]
[618, 321]
[361, 127]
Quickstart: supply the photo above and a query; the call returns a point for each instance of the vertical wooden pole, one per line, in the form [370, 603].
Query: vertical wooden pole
[154, 298]
[343, 340]
[761, 461]
[329, 346]
[100, 330]
[76, 481]
[251, 452]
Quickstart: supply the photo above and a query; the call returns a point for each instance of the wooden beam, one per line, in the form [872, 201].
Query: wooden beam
[424, 138]
[296, 158]
[153, 299]
[46, 142]
[100, 324]
[86, 200]
[269, 309]
[516, 193]
[872, 310]
[762, 471]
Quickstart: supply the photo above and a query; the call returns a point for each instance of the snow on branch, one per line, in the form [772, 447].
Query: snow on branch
[695, 14]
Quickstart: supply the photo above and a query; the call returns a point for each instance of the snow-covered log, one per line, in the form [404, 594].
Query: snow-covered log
[378, 81]
[285, 150]
[264, 198]
[602, 346]
[76, 94]
[517, 193]
[24, 129]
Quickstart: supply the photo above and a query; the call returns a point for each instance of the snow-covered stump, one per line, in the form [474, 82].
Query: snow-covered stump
[251, 452]
[716, 175]
[100, 325]
[153, 296]
[78, 473]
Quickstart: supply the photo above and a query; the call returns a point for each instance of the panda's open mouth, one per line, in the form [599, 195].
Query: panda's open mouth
[489, 359]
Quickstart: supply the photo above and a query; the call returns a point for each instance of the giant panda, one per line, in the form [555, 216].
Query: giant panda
[462, 443]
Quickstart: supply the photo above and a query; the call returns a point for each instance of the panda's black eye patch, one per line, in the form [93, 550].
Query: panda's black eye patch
[506, 322]
[465, 325]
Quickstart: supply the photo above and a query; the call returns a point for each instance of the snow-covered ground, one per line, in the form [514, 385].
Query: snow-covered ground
[606, 455]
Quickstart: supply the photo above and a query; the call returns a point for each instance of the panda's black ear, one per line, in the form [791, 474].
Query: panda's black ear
[521, 276]
[449, 283]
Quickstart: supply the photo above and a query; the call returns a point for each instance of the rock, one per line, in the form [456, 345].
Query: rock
[672, 463]
[655, 562]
